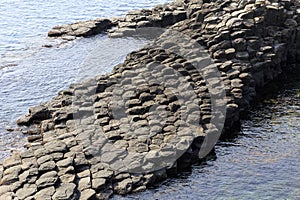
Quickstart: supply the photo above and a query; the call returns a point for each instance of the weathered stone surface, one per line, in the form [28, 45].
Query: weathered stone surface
[65, 162]
[81, 29]
[4, 189]
[88, 194]
[29, 175]
[44, 159]
[47, 166]
[47, 179]
[64, 191]
[55, 146]
[26, 191]
[7, 196]
[103, 174]
[8, 179]
[45, 194]
[36, 115]
[67, 178]
[11, 161]
[84, 183]
[98, 183]
[123, 187]
[14, 171]
[122, 131]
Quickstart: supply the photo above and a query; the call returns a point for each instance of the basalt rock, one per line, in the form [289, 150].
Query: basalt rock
[82, 29]
[124, 131]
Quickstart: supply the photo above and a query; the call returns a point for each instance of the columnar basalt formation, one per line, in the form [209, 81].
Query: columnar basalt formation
[121, 132]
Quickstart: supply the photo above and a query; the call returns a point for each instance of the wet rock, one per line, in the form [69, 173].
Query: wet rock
[242, 55]
[24, 121]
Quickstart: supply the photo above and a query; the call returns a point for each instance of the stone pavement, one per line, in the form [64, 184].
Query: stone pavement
[160, 110]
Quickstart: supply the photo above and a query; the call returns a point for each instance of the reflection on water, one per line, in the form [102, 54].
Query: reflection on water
[262, 162]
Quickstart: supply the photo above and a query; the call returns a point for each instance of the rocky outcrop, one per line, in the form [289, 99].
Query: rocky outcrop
[121, 132]
[160, 16]
[82, 28]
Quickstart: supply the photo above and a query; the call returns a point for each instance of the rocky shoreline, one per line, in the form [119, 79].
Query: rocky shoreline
[160, 16]
[82, 29]
[122, 132]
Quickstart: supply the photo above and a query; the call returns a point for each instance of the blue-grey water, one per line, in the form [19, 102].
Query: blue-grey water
[262, 162]
[24, 23]
[31, 74]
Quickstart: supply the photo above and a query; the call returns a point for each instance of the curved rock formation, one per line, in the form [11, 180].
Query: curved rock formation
[121, 132]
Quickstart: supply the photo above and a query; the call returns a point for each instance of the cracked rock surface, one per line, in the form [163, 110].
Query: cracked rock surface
[121, 132]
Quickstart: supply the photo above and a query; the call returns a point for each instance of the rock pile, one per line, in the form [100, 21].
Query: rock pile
[121, 132]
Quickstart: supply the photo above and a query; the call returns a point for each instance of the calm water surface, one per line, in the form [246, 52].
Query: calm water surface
[24, 23]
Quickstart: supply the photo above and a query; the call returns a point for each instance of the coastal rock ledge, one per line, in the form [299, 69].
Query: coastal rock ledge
[82, 29]
[151, 116]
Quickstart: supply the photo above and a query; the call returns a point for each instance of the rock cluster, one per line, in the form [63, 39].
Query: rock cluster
[253, 40]
[160, 16]
[121, 132]
[81, 29]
